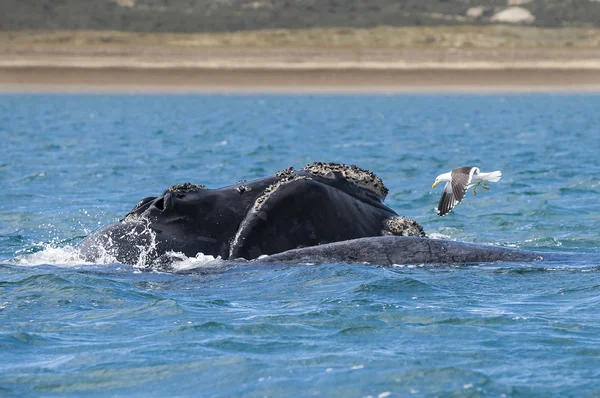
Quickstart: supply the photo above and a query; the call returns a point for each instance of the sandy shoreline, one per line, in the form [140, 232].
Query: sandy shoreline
[179, 80]
[459, 60]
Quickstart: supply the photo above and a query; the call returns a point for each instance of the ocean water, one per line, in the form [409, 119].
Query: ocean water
[72, 163]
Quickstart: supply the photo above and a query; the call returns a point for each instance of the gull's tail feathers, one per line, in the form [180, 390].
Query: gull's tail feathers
[494, 176]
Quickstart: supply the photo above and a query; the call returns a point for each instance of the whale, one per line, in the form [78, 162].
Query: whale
[322, 213]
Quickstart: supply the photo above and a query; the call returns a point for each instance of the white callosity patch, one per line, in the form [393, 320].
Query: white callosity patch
[353, 174]
[271, 189]
[132, 217]
[286, 173]
[402, 226]
[187, 187]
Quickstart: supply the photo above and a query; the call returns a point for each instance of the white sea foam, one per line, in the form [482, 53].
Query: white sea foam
[105, 252]
[437, 235]
[66, 256]
[69, 256]
[543, 242]
[181, 262]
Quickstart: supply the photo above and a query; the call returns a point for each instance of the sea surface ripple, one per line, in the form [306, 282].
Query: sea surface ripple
[72, 163]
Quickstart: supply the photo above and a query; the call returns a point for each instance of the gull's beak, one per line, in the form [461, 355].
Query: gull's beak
[434, 184]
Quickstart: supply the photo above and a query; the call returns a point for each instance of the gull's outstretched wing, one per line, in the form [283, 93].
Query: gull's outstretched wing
[455, 190]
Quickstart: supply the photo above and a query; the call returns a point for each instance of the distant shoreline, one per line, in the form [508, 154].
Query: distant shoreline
[384, 59]
[316, 80]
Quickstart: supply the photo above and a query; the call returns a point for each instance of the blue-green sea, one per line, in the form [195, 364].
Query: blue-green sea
[70, 164]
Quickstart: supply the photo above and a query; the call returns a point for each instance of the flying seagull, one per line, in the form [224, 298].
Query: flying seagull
[458, 181]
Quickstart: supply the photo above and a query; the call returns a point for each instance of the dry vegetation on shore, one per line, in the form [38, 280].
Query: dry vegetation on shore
[383, 58]
[457, 37]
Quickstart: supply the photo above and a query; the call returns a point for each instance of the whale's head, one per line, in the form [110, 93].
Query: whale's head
[320, 204]
[187, 218]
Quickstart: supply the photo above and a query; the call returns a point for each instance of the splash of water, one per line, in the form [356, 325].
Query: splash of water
[179, 262]
[66, 255]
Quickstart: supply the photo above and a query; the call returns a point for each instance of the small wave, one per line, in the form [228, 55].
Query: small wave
[396, 285]
[437, 235]
[447, 233]
[543, 242]
[359, 330]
